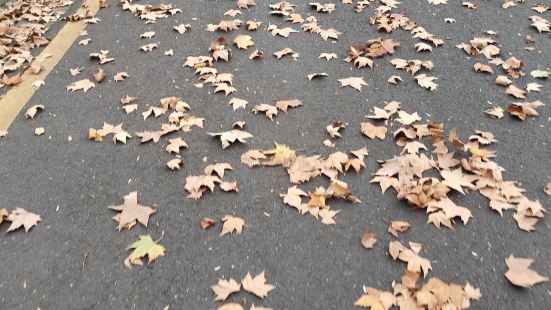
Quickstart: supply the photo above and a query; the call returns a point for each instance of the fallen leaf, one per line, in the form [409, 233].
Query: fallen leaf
[426, 81]
[368, 240]
[373, 131]
[131, 212]
[232, 224]
[207, 222]
[39, 131]
[243, 41]
[141, 248]
[224, 288]
[520, 274]
[120, 76]
[354, 82]
[31, 112]
[21, 217]
[85, 85]
[257, 285]
[99, 75]
[230, 136]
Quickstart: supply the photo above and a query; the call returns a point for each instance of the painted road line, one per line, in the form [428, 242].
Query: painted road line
[18, 96]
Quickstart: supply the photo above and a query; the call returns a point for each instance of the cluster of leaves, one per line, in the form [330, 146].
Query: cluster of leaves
[474, 172]
[226, 287]
[22, 28]
[432, 295]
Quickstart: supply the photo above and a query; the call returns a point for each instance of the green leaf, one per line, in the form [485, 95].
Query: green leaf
[142, 247]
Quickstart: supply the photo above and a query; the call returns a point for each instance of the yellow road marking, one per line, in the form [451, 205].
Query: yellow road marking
[18, 96]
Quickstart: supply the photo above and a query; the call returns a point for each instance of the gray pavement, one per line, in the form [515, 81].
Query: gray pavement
[74, 258]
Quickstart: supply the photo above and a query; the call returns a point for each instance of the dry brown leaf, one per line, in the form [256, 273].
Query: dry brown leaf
[197, 185]
[218, 168]
[495, 112]
[479, 67]
[230, 136]
[286, 51]
[21, 217]
[120, 76]
[229, 186]
[368, 240]
[373, 131]
[131, 212]
[415, 263]
[147, 35]
[252, 158]
[231, 224]
[522, 110]
[224, 288]
[207, 222]
[31, 112]
[283, 105]
[317, 75]
[520, 274]
[354, 82]
[269, 110]
[243, 41]
[333, 129]
[39, 131]
[257, 285]
[398, 226]
[174, 164]
[426, 81]
[85, 85]
[515, 92]
[99, 75]
[328, 56]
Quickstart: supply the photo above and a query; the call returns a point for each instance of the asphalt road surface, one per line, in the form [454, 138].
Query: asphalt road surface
[73, 259]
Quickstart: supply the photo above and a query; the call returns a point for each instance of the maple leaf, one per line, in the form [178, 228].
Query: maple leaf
[257, 285]
[197, 185]
[354, 82]
[3, 215]
[174, 164]
[283, 32]
[141, 248]
[218, 168]
[293, 197]
[147, 35]
[120, 76]
[231, 224]
[269, 110]
[280, 155]
[286, 51]
[373, 131]
[328, 56]
[394, 79]
[99, 75]
[368, 240]
[229, 186]
[131, 212]
[237, 103]
[243, 41]
[230, 136]
[283, 105]
[304, 168]
[333, 129]
[224, 288]
[85, 85]
[175, 145]
[149, 47]
[21, 217]
[520, 274]
[317, 75]
[182, 28]
[479, 67]
[456, 180]
[415, 263]
[252, 158]
[398, 226]
[496, 112]
[522, 110]
[426, 81]
[31, 112]
[206, 223]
